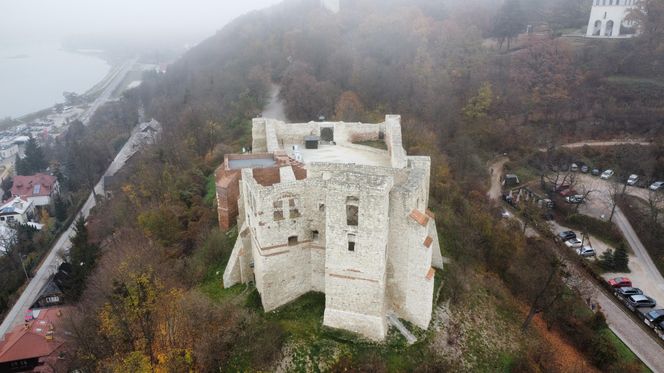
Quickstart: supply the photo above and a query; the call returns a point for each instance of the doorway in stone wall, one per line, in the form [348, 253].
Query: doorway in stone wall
[327, 134]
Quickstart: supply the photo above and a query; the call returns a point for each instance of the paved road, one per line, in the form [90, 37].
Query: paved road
[53, 259]
[638, 340]
[599, 206]
[275, 107]
[592, 143]
[108, 91]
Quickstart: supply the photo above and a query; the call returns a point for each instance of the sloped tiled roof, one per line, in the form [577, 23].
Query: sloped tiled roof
[33, 186]
[30, 342]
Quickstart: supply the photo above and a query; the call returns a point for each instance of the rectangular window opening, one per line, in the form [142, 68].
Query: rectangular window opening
[314, 235]
[292, 240]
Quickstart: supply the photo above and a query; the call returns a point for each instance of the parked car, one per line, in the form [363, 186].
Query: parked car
[627, 291]
[606, 175]
[654, 317]
[574, 167]
[545, 203]
[640, 300]
[567, 235]
[657, 185]
[585, 169]
[620, 282]
[586, 251]
[595, 172]
[573, 243]
[575, 199]
[632, 180]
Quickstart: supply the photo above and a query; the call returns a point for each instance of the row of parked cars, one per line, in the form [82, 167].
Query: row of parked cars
[639, 303]
[570, 240]
[632, 180]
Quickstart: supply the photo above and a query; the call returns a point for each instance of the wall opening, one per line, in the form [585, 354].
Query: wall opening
[327, 134]
[314, 235]
[609, 29]
[351, 242]
[292, 241]
[597, 29]
[352, 211]
[321, 207]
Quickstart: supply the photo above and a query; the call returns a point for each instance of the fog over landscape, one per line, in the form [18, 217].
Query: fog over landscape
[44, 20]
[34, 71]
[332, 186]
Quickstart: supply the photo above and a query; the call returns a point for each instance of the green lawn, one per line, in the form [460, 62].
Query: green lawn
[625, 353]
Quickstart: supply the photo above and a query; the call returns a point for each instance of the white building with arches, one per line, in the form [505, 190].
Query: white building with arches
[608, 19]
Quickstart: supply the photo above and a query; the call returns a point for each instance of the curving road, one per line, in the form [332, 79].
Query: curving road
[642, 343]
[111, 87]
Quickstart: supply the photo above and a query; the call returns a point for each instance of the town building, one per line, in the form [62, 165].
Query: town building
[17, 211]
[37, 346]
[320, 212]
[39, 188]
[608, 19]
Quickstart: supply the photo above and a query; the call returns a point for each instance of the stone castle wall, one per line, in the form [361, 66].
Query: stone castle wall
[297, 234]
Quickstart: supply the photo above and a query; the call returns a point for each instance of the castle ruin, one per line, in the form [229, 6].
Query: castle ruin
[318, 212]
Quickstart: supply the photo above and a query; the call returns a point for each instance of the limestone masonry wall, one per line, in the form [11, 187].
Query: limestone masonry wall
[360, 234]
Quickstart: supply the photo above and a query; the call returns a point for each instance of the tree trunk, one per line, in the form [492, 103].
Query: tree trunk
[533, 308]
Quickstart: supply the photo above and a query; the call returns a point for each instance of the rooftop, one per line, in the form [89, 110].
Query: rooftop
[236, 164]
[34, 340]
[344, 153]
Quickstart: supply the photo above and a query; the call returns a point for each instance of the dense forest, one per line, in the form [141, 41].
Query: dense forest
[468, 86]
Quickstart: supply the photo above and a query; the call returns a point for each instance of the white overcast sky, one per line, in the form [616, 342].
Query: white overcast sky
[52, 20]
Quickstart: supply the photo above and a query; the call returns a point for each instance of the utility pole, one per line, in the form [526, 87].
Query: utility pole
[23, 257]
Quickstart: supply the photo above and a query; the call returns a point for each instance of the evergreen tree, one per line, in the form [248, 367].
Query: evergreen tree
[82, 255]
[607, 260]
[19, 166]
[621, 259]
[60, 207]
[33, 161]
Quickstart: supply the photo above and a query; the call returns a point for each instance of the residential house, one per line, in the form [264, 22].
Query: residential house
[17, 210]
[37, 346]
[39, 188]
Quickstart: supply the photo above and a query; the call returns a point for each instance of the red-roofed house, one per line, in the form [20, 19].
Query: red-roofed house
[38, 188]
[36, 346]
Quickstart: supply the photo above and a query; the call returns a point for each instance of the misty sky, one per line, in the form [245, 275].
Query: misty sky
[52, 20]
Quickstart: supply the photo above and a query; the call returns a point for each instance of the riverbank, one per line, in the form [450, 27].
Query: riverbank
[38, 80]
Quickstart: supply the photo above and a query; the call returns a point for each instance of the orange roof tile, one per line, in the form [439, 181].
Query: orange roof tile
[419, 217]
[428, 241]
[430, 214]
[431, 273]
[30, 342]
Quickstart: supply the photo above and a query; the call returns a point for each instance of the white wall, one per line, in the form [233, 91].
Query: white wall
[602, 15]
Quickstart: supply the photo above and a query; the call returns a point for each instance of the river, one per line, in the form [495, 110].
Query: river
[34, 76]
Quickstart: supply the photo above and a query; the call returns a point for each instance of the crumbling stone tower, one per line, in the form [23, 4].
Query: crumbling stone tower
[337, 217]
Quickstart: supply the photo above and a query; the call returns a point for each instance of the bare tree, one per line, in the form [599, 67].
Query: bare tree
[655, 199]
[548, 294]
[616, 191]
